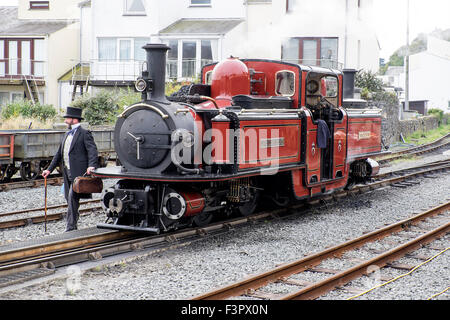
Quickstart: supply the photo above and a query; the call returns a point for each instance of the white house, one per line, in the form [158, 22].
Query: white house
[428, 81]
[38, 43]
[428, 75]
[316, 32]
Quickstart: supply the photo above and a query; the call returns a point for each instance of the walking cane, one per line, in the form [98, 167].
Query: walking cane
[45, 201]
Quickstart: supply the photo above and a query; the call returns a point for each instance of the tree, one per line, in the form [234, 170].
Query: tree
[368, 80]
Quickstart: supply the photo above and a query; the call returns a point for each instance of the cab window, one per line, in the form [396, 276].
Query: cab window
[285, 83]
[330, 86]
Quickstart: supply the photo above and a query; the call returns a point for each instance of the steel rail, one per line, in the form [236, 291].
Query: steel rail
[419, 152]
[310, 261]
[39, 219]
[4, 186]
[74, 247]
[317, 289]
[416, 148]
[58, 206]
[438, 165]
[16, 255]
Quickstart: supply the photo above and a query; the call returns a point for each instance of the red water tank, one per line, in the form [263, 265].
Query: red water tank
[230, 77]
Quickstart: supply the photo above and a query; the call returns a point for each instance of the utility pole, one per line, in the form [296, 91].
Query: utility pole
[407, 59]
[345, 34]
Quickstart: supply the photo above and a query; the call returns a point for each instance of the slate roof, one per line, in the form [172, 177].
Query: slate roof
[200, 26]
[10, 25]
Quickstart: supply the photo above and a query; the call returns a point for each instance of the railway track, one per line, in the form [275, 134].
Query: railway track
[254, 286]
[398, 178]
[22, 261]
[415, 151]
[54, 180]
[61, 209]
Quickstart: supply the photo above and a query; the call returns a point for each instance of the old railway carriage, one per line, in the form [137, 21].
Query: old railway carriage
[252, 128]
[29, 152]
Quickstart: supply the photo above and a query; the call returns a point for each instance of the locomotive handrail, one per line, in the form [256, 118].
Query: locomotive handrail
[271, 111]
[364, 110]
[164, 116]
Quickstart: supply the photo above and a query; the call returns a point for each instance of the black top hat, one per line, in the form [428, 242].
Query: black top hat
[73, 113]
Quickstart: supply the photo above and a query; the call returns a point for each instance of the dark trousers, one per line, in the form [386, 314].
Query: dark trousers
[73, 202]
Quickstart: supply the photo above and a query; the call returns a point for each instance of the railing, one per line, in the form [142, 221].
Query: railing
[190, 68]
[114, 70]
[326, 63]
[16, 68]
[129, 70]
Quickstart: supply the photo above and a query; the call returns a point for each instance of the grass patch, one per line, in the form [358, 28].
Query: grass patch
[420, 137]
[23, 123]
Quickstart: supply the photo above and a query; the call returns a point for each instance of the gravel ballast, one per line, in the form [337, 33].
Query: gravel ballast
[188, 271]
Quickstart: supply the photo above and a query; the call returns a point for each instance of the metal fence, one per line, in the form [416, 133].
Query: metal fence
[16, 67]
[129, 70]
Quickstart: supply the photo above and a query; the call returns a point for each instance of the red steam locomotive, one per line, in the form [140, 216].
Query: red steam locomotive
[252, 128]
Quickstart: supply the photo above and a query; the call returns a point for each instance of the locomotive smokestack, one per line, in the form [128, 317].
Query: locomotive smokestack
[156, 65]
[349, 83]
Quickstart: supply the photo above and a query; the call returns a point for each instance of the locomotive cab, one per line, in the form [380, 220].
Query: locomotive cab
[322, 97]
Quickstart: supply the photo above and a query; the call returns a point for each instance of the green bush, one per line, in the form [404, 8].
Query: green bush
[369, 80]
[438, 113]
[26, 109]
[385, 96]
[104, 106]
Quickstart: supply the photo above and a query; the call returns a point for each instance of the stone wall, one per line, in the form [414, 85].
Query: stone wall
[391, 127]
[408, 127]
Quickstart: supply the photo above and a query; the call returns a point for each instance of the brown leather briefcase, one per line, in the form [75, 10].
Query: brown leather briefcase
[87, 185]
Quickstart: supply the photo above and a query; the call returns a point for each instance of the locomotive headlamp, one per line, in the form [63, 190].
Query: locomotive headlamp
[140, 85]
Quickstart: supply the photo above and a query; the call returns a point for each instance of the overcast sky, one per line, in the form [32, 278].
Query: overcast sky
[425, 16]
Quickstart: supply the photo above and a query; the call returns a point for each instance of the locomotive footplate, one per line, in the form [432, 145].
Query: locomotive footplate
[116, 172]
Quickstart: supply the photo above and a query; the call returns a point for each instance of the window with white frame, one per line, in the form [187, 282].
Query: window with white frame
[17, 96]
[39, 5]
[22, 56]
[123, 49]
[199, 3]
[290, 4]
[139, 52]
[186, 57]
[314, 51]
[134, 7]
[2, 58]
[107, 48]
[4, 98]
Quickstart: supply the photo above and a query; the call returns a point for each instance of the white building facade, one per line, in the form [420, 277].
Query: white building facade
[329, 33]
[428, 75]
[38, 43]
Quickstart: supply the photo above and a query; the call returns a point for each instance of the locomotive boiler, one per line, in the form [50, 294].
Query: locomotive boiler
[251, 129]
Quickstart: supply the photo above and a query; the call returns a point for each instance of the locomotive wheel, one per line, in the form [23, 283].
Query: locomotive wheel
[202, 219]
[249, 207]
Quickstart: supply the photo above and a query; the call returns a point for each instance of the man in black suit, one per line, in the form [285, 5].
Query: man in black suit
[78, 155]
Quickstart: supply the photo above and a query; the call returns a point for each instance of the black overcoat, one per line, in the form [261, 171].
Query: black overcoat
[82, 154]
